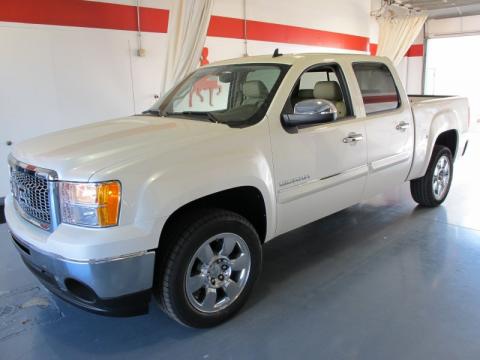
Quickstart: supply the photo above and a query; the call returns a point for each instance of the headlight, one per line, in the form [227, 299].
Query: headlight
[90, 204]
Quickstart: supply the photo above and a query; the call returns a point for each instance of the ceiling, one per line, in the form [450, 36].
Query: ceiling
[443, 8]
[436, 4]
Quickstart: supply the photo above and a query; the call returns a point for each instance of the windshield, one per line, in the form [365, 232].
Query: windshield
[237, 95]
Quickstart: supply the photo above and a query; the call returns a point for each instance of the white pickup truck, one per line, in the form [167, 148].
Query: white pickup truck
[178, 201]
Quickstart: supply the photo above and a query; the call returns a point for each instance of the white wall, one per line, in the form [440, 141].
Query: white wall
[343, 16]
[55, 77]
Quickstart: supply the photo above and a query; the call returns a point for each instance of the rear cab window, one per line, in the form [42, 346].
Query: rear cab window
[377, 86]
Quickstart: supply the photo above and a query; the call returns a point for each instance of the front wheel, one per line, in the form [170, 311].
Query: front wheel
[210, 269]
[432, 189]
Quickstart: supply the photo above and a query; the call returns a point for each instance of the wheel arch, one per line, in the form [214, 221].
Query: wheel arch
[247, 201]
[448, 138]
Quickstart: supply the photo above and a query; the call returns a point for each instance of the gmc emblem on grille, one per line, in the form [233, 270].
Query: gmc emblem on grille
[19, 192]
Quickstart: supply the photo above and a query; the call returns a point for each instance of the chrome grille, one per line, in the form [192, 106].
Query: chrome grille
[30, 190]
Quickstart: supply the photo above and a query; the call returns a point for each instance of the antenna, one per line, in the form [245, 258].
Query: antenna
[276, 53]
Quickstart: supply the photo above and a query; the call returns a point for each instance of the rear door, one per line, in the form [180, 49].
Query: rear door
[389, 126]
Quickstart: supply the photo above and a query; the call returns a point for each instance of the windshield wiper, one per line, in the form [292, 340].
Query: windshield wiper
[213, 118]
[208, 114]
[151, 111]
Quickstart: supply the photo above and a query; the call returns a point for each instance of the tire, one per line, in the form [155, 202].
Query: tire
[224, 276]
[423, 190]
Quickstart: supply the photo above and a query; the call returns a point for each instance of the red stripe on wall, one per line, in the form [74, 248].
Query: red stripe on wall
[227, 27]
[91, 14]
[83, 14]
[415, 50]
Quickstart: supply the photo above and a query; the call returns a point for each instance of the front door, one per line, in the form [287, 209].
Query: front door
[319, 169]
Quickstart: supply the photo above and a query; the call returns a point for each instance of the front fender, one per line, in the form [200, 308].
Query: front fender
[166, 192]
[161, 180]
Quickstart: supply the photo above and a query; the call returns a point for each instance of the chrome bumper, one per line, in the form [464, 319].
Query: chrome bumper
[118, 286]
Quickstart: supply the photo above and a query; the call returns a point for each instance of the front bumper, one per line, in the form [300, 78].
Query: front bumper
[119, 286]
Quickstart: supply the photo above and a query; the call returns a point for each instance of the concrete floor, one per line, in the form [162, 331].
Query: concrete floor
[381, 280]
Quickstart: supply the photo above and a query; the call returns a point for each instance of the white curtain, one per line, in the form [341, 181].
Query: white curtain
[187, 31]
[397, 34]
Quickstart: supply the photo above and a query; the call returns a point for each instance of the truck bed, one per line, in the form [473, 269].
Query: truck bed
[420, 98]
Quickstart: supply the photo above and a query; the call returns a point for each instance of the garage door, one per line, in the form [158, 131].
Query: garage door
[452, 69]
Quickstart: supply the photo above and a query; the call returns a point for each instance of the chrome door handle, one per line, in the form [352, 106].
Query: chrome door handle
[353, 138]
[402, 126]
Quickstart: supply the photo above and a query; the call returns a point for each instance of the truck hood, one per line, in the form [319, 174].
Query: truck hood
[78, 153]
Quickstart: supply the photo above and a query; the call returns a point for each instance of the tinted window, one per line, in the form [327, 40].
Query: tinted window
[377, 86]
[267, 76]
[310, 78]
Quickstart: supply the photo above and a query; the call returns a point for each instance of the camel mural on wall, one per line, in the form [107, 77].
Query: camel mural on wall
[209, 83]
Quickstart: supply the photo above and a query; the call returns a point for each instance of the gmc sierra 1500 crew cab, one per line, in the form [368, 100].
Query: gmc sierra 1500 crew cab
[177, 202]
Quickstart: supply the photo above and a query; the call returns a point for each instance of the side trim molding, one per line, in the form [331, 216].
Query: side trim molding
[313, 186]
[389, 161]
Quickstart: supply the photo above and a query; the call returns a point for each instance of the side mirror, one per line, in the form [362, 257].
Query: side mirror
[312, 111]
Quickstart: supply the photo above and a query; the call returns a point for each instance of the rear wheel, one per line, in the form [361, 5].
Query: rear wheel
[432, 189]
[210, 269]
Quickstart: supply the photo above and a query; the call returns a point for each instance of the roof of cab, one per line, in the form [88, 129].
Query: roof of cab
[290, 59]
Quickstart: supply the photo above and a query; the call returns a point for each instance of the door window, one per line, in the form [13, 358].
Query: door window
[322, 82]
[377, 86]
[310, 78]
